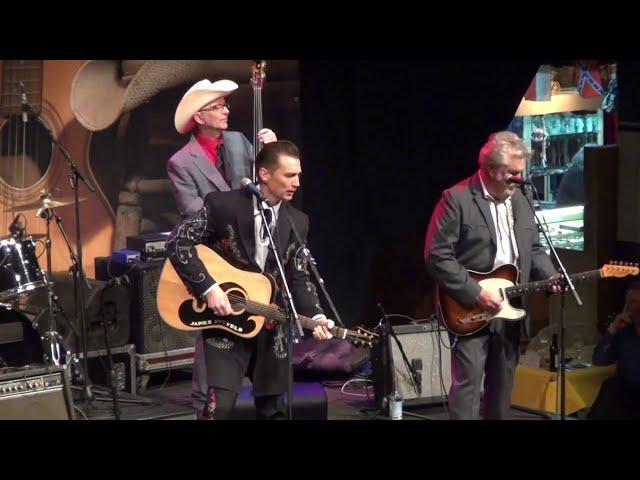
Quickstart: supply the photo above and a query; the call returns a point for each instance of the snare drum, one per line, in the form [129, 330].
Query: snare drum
[19, 269]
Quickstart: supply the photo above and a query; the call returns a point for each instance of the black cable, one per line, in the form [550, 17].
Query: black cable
[442, 385]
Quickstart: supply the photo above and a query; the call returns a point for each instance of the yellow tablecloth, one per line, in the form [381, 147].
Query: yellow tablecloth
[538, 389]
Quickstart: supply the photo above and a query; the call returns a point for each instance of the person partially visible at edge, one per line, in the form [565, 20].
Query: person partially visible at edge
[619, 396]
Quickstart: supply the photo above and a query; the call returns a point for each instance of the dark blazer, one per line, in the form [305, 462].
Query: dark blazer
[226, 224]
[193, 176]
[461, 236]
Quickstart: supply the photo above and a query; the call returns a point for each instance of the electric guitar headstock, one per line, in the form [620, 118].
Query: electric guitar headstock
[619, 269]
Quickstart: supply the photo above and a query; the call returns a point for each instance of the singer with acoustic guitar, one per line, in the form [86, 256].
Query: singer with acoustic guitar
[480, 224]
[230, 224]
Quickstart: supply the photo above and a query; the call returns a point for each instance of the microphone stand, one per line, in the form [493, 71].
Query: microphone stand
[565, 282]
[308, 259]
[77, 268]
[290, 310]
[25, 119]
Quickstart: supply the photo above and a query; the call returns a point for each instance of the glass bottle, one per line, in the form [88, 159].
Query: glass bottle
[395, 404]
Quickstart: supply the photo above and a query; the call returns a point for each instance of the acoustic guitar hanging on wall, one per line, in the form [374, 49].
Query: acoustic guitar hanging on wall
[25, 146]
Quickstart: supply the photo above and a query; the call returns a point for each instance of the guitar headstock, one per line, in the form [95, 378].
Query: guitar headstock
[362, 337]
[619, 269]
[258, 73]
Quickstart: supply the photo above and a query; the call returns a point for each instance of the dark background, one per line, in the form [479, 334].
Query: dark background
[380, 141]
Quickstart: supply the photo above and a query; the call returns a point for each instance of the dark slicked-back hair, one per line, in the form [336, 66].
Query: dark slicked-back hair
[270, 154]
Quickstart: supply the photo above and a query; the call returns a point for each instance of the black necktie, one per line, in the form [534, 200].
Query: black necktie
[221, 167]
[268, 216]
[270, 262]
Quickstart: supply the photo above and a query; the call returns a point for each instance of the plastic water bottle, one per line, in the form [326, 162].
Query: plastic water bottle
[395, 405]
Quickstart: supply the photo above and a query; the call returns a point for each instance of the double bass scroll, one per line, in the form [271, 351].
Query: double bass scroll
[257, 80]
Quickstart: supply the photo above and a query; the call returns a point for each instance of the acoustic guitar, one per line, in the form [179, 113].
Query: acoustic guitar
[250, 295]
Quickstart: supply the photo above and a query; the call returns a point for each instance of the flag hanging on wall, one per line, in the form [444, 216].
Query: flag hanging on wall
[588, 79]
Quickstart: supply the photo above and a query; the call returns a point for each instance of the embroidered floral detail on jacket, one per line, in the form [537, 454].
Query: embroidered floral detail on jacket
[228, 246]
[279, 343]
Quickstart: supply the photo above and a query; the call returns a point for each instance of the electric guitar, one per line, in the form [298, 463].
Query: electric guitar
[250, 295]
[462, 320]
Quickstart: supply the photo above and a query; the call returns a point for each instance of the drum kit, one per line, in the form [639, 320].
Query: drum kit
[21, 277]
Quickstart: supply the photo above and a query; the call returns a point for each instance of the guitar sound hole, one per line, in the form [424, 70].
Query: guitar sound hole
[237, 298]
[16, 169]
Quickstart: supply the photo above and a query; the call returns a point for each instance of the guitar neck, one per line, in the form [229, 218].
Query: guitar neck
[542, 285]
[278, 315]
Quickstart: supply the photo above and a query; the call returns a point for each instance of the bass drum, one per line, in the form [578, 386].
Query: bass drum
[20, 343]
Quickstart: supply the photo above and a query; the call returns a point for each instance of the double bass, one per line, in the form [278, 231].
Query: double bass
[257, 81]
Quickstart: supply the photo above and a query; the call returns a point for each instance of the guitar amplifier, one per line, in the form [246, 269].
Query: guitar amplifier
[149, 332]
[150, 245]
[35, 393]
[422, 347]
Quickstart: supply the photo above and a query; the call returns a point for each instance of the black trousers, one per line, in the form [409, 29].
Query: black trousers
[616, 400]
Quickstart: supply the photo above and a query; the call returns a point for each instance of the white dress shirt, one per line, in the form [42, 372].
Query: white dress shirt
[502, 215]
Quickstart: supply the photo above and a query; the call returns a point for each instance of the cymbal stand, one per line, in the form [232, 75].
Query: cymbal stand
[54, 345]
[49, 214]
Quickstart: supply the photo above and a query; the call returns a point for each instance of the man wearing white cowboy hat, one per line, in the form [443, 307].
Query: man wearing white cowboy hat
[215, 159]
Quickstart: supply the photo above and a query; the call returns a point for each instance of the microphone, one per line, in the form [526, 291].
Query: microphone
[249, 185]
[16, 228]
[517, 180]
[25, 105]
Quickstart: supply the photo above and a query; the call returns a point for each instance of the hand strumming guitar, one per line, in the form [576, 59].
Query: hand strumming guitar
[217, 301]
[488, 301]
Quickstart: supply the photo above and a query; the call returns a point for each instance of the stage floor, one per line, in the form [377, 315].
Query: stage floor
[170, 399]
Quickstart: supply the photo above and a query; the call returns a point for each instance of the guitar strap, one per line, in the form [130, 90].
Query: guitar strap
[512, 234]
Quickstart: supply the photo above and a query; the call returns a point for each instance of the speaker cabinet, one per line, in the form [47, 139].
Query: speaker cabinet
[150, 333]
[38, 393]
[424, 346]
[106, 302]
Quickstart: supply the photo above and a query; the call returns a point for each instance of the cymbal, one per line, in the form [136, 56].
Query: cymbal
[45, 203]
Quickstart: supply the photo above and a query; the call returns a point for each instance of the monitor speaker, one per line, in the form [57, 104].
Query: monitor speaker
[424, 346]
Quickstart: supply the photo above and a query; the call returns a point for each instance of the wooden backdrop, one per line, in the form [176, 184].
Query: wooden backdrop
[97, 223]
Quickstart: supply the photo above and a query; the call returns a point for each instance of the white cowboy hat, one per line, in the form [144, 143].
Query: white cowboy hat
[199, 95]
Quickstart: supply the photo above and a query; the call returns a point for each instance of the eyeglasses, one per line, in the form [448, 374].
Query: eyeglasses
[215, 108]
